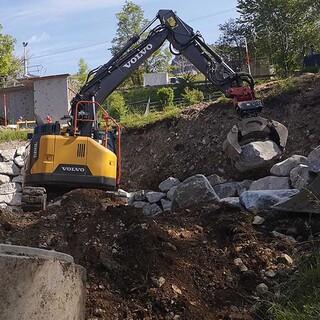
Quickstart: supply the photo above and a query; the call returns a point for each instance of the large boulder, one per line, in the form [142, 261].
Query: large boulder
[231, 201]
[171, 192]
[283, 168]
[9, 188]
[13, 199]
[227, 189]
[215, 179]
[260, 200]
[19, 161]
[4, 179]
[257, 155]
[151, 209]
[166, 204]
[154, 197]
[194, 191]
[21, 151]
[231, 189]
[8, 154]
[271, 183]
[314, 160]
[9, 168]
[300, 176]
[169, 183]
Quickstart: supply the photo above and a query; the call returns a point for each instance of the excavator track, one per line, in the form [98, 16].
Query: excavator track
[34, 198]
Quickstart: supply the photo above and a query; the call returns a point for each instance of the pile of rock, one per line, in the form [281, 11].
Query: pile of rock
[286, 179]
[11, 176]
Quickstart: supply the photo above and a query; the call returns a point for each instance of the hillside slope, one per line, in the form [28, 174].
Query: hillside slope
[192, 143]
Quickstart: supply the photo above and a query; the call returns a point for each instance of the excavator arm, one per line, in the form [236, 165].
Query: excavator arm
[183, 40]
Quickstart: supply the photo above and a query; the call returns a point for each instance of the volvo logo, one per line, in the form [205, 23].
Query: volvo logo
[138, 56]
[73, 169]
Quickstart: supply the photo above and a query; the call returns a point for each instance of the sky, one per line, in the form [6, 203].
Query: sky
[60, 32]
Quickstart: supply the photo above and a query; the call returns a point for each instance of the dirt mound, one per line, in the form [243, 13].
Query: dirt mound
[174, 266]
[192, 143]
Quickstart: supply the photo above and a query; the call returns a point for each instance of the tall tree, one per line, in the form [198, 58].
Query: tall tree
[10, 66]
[82, 71]
[231, 43]
[284, 29]
[131, 21]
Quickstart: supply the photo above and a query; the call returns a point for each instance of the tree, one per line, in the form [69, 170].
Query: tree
[10, 66]
[231, 43]
[283, 29]
[130, 22]
[82, 72]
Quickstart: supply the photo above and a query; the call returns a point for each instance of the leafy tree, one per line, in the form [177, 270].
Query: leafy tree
[82, 71]
[130, 22]
[193, 96]
[166, 96]
[116, 105]
[283, 29]
[231, 44]
[10, 66]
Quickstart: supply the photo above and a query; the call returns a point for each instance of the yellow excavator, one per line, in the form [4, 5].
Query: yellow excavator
[82, 155]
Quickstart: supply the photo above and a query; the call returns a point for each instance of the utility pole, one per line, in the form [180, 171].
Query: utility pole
[25, 58]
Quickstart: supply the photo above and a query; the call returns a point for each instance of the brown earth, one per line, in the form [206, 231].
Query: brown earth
[192, 143]
[126, 254]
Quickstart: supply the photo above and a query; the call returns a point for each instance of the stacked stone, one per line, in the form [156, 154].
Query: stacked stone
[11, 177]
[286, 179]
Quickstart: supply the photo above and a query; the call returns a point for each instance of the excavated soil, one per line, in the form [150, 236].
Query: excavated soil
[192, 143]
[174, 266]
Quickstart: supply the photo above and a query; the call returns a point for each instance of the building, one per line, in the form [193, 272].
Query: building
[41, 96]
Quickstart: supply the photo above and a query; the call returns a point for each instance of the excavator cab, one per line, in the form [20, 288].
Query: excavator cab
[83, 156]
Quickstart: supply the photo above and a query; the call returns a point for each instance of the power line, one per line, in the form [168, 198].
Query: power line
[104, 43]
[69, 50]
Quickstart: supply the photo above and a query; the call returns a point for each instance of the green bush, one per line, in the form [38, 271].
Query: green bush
[116, 106]
[166, 96]
[192, 96]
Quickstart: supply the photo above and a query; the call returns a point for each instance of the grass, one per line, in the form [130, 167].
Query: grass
[13, 135]
[134, 120]
[302, 293]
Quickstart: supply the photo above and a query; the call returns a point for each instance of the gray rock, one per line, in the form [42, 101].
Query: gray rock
[166, 205]
[19, 161]
[284, 237]
[194, 191]
[21, 151]
[271, 183]
[215, 179]
[140, 196]
[240, 264]
[258, 220]
[171, 192]
[9, 168]
[270, 274]
[151, 209]
[243, 186]
[260, 200]
[17, 179]
[8, 155]
[154, 197]
[231, 201]
[283, 168]
[9, 188]
[262, 289]
[4, 179]
[256, 155]
[227, 189]
[314, 160]
[139, 204]
[167, 184]
[13, 199]
[300, 176]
